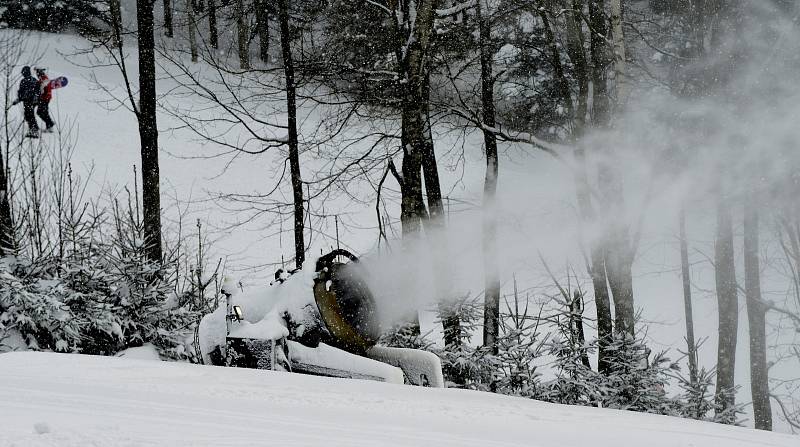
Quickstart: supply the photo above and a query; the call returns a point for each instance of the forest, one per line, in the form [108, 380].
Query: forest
[585, 202]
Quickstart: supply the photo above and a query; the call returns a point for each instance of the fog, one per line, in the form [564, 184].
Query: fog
[673, 148]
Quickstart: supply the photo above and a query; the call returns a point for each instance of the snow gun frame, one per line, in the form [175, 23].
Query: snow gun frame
[345, 346]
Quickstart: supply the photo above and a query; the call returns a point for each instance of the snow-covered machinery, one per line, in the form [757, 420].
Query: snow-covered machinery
[319, 320]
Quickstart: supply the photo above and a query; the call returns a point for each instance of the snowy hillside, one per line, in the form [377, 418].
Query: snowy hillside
[112, 402]
[73, 400]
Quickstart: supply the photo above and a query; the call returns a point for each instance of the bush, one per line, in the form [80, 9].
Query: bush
[79, 279]
[100, 305]
[636, 380]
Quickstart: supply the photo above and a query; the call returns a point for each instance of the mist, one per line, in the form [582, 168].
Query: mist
[674, 149]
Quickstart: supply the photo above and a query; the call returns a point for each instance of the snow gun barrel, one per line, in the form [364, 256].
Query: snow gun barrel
[345, 302]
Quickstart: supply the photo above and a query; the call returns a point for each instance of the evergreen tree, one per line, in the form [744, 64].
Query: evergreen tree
[49, 15]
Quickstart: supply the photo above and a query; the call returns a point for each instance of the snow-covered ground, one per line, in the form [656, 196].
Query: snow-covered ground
[74, 400]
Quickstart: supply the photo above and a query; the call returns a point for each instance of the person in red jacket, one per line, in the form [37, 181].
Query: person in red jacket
[45, 95]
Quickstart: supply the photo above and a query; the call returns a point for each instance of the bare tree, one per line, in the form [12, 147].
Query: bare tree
[728, 305]
[618, 39]
[414, 114]
[756, 317]
[148, 130]
[491, 311]
[248, 120]
[168, 28]
[262, 26]
[687, 298]
[243, 35]
[116, 22]
[191, 25]
[600, 119]
[619, 249]
[577, 107]
[13, 46]
[294, 150]
[601, 263]
[213, 38]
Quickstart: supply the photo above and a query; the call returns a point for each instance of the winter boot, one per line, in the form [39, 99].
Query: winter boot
[33, 133]
[49, 129]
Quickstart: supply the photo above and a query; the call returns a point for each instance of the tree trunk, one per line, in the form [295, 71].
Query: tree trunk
[435, 223]
[600, 63]
[687, 300]
[756, 315]
[262, 24]
[577, 55]
[294, 150]
[116, 23]
[6, 222]
[168, 31]
[430, 169]
[618, 39]
[491, 310]
[618, 250]
[576, 327]
[243, 37]
[412, 205]
[600, 119]
[415, 119]
[430, 172]
[213, 38]
[192, 25]
[727, 300]
[598, 245]
[148, 130]
[618, 264]
[602, 299]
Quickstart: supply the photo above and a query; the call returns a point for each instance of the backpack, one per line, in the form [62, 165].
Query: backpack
[29, 90]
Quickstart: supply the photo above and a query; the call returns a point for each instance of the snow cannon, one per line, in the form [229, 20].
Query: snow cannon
[345, 303]
[320, 320]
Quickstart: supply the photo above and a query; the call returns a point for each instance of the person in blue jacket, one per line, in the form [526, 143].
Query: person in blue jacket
[28, 95]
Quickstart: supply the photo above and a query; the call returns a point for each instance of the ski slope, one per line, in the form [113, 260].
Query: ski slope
[73, 400]
[535, 196]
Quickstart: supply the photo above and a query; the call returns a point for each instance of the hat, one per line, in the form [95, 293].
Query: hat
[39, 70]
[26, 71]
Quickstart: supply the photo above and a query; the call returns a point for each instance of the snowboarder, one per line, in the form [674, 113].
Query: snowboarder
[45, 95]
[28, 95]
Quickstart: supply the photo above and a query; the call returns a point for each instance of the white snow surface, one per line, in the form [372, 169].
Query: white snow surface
[330, 357]
[67, 400]
[414, 361]
[13, 341]
[270, 328]
[145, 352]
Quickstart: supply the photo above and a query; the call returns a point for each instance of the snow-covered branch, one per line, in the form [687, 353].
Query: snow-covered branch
[554, 149]
[455, 9]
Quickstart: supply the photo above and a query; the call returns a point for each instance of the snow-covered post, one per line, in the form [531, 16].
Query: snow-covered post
[272, 359]
[228, 289]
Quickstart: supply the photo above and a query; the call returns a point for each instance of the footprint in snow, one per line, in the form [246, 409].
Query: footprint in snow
[41, 428]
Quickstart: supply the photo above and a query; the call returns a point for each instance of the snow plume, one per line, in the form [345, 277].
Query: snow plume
[448, 264]
[726, 121]
[422, 271]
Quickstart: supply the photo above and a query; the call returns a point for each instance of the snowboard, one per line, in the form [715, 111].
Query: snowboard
[59, 82]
